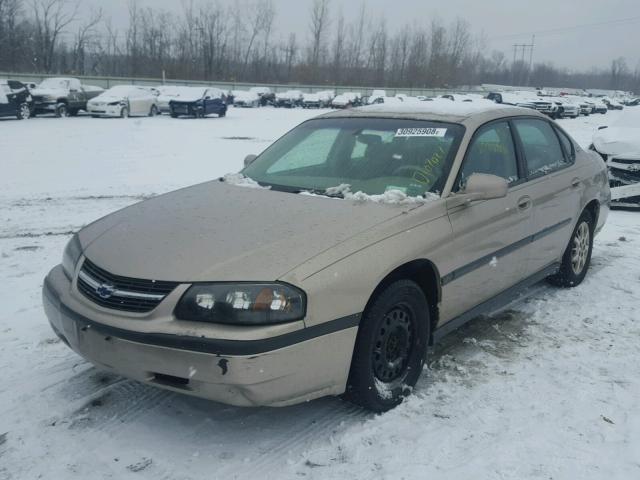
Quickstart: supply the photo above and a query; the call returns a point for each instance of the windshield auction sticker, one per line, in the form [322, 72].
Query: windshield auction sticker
[421, 132]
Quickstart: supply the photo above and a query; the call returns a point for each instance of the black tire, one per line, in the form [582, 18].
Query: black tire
[154, 111]
[124, 113]
[223, 113]
[390, 347]
[174, 115]
[24, 112]
[577, 256]
[62, 110]
[73, 112]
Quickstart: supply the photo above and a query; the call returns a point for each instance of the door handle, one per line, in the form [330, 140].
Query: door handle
[575, 183]
[524, 203]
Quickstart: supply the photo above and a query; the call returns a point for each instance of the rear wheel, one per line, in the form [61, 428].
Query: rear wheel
[577, 256]
[154, 111]
[390, 348]
[62, 110]
[24, 111]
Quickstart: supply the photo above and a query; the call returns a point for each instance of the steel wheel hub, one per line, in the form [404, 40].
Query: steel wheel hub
[393, 344]
[580, 248]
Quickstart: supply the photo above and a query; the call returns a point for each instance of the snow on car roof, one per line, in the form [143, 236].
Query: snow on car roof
[621, 137]
[437, 107]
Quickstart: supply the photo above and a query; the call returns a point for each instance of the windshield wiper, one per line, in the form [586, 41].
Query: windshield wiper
[323, 193]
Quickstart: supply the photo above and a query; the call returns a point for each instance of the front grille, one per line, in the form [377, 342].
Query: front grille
[128, 294]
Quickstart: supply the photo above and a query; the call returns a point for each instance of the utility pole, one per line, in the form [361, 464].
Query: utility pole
[521, 48]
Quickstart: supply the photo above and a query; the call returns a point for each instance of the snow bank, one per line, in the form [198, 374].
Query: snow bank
[239, 180]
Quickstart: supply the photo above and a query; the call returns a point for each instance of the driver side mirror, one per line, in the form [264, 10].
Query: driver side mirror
[249, 159]
[481, 186]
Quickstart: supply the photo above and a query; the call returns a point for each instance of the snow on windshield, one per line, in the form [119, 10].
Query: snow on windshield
[121, 90]
[392, 196]
[55, 83]
[239, 180]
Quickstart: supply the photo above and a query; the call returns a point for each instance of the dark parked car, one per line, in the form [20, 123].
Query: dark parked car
[63, 96]
[15, 100]
[200, 103]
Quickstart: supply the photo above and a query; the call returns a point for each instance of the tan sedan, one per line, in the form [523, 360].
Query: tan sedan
[367, 236]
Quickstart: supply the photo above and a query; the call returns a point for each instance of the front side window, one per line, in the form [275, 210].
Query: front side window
[492, 152]
[541, 147]
[371, 155]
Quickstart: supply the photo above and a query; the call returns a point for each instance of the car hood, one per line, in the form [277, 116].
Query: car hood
[53, 92]
[618, 141]
[217, 232]
[107, 98]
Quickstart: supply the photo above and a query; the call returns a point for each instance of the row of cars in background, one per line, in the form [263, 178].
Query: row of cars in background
[63, 97]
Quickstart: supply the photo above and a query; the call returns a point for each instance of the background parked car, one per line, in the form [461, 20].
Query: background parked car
[347, 100]
[168, 93]
[565, 108]
[619, 146]
[246, 98]
[199, 103]
[318, 99]
[63, 96]
[612, 103]
[267, 97]
[15, 100]
[289, 99]
[124, 101]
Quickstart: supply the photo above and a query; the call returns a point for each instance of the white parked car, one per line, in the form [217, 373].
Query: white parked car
[347, 100]
[619, 146]
[124, 101]
[246, 98]
[565, 107]
[289, 99]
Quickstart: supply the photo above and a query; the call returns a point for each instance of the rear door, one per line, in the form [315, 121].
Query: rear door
[489, 236]
[6, 107]
[553, 185]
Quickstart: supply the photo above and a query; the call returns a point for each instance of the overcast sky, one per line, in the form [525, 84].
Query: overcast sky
[503, 22]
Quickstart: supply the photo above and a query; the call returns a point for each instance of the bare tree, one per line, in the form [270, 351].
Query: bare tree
[85, 34]
[51, 17]
[318, 26]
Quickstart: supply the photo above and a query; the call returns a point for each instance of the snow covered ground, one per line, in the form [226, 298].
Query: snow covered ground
[548, 390]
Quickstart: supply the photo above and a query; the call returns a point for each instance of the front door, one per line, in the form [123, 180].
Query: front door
[490, 236]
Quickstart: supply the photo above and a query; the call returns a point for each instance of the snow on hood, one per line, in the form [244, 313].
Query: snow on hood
[240, 180]
[191, 94]
[622, 137]
[390, 197]
[50, 92]
[245, 96]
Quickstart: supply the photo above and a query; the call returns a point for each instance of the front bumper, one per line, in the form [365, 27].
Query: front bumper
[276, 371]
[105, 110]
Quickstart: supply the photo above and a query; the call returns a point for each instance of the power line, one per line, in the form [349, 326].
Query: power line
[555, 31]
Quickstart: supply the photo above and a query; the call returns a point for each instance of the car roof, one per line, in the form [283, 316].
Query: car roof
[440, 111]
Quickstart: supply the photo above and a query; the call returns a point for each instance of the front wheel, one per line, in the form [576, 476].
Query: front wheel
[154, 111]
[390, 347]
[124, 113]
[24, 112]
[577, 256]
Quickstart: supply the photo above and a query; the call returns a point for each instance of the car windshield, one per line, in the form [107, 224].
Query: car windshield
[372, 155]
[55, 83]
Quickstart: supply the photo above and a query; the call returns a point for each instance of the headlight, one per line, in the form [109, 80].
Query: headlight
[242, 303]
[71, 255]
[113, 104]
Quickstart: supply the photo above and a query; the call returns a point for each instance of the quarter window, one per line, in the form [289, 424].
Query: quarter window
[491, 152]
[541, 147]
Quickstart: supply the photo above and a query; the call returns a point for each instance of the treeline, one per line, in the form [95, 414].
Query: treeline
[208, 41]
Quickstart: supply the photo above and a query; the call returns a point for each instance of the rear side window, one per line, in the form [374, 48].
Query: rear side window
[542, 150]
[567, 145]
[491, 151]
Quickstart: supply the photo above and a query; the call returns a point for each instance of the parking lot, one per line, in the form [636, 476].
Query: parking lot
[551, 388]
